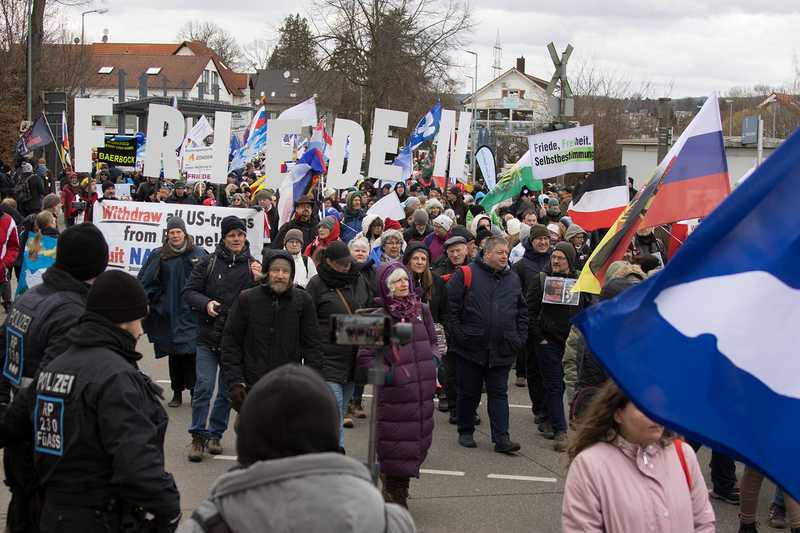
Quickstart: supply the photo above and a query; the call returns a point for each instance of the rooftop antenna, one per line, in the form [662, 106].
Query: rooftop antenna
[498, 56]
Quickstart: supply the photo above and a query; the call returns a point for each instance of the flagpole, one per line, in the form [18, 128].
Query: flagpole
[55, 143]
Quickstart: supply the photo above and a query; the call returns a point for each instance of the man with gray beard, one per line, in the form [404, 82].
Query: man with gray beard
[269, 326]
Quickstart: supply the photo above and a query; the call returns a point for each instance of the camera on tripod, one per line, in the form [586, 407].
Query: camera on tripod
[368, 330]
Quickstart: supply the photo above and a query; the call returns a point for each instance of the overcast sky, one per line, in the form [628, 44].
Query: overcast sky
[681, 47]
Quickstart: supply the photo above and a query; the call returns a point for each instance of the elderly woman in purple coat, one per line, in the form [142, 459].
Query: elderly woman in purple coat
[404, 415]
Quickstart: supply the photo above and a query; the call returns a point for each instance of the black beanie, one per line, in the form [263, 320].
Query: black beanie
[117, 296]
[569, 251]
[539, 230]
[302, 413]
[82, 251]
[230, 223]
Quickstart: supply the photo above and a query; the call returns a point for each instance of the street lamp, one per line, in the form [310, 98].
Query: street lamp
[99, 11]
[730, 119]
[474, 115]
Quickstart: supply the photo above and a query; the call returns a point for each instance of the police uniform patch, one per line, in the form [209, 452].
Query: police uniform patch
[49, 419]
[15, 353]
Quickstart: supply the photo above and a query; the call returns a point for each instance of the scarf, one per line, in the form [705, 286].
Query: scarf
[406, 308]
[335, 279]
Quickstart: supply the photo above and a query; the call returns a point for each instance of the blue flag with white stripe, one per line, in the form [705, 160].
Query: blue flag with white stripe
[709, 346]
[427, 127]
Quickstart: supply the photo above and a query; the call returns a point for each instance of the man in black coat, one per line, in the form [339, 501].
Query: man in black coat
[303, 219]
[180, 195]
[213, 287]
[535, 259]
[487, 324]
[268, 326]
[550, 322]
[99, 424]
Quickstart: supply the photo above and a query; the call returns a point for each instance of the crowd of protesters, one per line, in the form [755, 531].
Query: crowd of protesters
[248, 330]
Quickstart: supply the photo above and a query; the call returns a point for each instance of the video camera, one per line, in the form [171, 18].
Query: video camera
[368, 330]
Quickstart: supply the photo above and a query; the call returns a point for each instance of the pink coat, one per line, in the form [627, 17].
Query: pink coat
[620, 488]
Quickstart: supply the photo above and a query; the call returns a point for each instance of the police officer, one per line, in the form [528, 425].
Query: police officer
[36, 331]
[99, 424]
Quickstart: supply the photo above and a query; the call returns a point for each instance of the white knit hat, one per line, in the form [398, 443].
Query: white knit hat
[444, 221]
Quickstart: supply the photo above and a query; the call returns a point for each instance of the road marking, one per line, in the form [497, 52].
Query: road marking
[163, 381]
[441, 472]
[523, 478]
[226, 457]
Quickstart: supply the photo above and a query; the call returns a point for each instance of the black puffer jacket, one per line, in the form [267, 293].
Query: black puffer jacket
[531, 264]
[309, 230]
[266, 330]
[338, 361]
[220, 276]
[488, 322]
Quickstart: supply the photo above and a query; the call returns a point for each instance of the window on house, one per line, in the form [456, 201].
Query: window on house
[207, 81]
[105, 70]
[153, 71]
[214, 79]
[513, 92]
[504, 92]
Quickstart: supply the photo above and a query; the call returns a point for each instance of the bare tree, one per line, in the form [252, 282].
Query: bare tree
[392, 53]
[216, 38]
[255, 55]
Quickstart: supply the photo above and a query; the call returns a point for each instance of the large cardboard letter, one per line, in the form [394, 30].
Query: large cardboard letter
[276, 151]
[455, 142]
[162, 147]
[343, 130]
[382, 144]
[221, 148]
[88, 136]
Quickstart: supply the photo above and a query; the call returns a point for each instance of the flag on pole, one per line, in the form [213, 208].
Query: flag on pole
[305, 112]
[427, 127]
[404, 161]
[511, 183]
[320, 138]
[708, 347]
[36, 136]
[201, 129]
[302, 178]
[66, 160]
[256, 139]
[600, 199]
[691, 167]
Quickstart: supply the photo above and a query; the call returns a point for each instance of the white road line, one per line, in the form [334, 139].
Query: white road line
[226, 457]
[442, 472]
[523, 478]
[163, 381]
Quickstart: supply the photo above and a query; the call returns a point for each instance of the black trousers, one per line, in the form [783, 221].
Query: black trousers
[450, 382]
[521, 367]
[69, 519]
[535, 383]
[471, 378]
[182, 371]
[723, 471]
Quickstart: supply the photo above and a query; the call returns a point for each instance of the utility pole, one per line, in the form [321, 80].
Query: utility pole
[29, 87]
[664, 127]
[474, 117]
[563, 105]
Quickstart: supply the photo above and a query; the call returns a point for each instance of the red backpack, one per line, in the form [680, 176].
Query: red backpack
[467, 271]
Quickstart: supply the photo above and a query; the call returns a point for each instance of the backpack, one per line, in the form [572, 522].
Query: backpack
[467, 271]
[22, 190]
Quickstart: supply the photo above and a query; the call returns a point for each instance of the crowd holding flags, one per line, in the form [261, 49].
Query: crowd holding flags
[694, 179]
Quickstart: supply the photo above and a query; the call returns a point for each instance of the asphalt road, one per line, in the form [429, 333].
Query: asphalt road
[459, 490]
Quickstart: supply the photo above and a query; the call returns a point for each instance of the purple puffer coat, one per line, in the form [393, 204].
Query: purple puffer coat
[405, 403]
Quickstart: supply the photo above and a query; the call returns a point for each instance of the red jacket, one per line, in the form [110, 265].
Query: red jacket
[9, 244]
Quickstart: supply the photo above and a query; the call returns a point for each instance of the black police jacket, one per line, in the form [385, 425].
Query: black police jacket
[99, 425]
[36, 327]
[220, 276]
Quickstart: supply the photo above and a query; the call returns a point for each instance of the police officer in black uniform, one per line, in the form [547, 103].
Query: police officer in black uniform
[35, 331]
[99, 425]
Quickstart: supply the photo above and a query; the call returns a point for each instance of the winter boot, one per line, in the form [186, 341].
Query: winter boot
[177, 400]
[748, 528]
[358, 409]
[198, 447]
[214, 447]
[348, 416]
[395, 490]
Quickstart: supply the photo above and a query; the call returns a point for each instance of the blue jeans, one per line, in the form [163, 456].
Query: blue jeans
[550, 357]
[207, 375]
[471, 377]
[358, 392]
[343, 393]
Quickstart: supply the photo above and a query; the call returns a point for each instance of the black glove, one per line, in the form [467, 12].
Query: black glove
[165, 524]
[237, 395]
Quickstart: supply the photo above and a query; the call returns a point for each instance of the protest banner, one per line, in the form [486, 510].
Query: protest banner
[559, 152]
[198, 164]
[133, 229]
[119, 152]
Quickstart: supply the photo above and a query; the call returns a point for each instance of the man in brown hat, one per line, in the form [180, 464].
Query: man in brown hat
[304, 218]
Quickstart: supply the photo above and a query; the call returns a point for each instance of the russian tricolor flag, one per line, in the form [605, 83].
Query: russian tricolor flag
[695, 171]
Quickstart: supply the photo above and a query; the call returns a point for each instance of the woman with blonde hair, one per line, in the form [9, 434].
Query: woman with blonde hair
[40, 251]
[627, 474]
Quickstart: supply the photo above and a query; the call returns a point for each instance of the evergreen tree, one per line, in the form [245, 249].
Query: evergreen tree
[295, 49]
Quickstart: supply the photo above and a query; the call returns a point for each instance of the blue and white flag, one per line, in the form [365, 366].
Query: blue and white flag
[405, 162]
[427, 127]
[709, 346]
